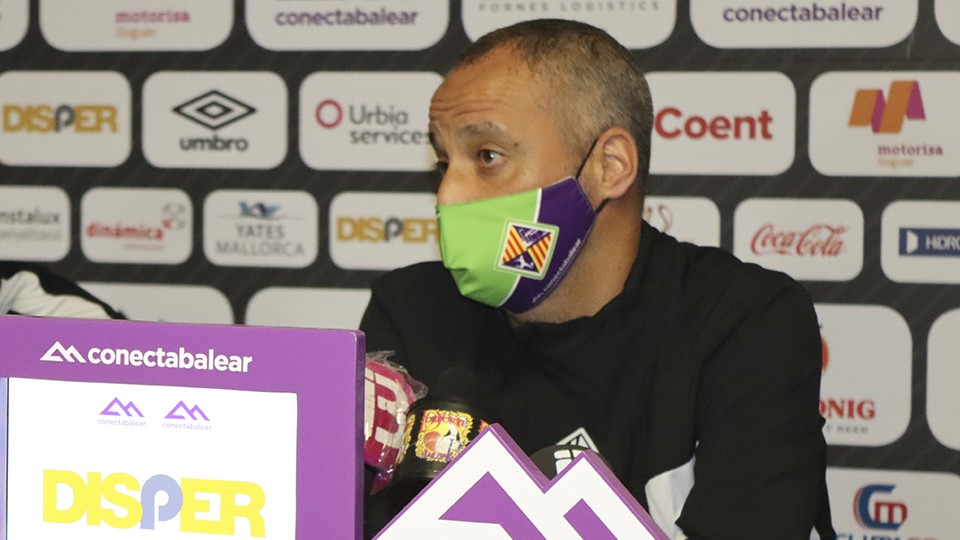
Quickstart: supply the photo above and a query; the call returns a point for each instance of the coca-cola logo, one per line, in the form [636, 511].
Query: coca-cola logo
[818, 240]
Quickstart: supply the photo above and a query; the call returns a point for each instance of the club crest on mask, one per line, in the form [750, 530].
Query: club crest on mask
[527, 248]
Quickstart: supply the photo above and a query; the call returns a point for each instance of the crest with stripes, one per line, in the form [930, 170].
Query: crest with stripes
[527, 249]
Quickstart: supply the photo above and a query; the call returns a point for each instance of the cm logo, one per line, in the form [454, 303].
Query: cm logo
[874, 513]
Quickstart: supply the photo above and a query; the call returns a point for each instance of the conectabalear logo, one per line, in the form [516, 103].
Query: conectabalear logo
[818, 240]
[178, 358]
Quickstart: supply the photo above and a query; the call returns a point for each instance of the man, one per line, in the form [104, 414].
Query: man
[695, 375]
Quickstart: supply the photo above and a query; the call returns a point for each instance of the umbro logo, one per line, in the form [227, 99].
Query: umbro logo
[214, 110]
[59, 353]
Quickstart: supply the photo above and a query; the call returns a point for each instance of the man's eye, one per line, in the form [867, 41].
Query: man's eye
[488, 157]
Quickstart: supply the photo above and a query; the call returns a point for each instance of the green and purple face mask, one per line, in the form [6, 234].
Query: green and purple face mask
[512, 251]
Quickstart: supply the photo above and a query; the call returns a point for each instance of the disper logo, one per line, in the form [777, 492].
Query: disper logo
[887, 116]
[929, 242]
[214, 110]
[874, 512]
[819, 240]
[161, 498]
[181, 412]
[117, 408]
[59, 118]
[376, 229]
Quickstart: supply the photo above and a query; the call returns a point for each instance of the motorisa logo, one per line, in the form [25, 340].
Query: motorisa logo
[803, 24]
[307, 307]
[743, 123]
[813, 239]
[64, 118]
[948, 19]
[920, 241]
[638, 24]
[366, 121]
[14, 18]
[260, 228]
[885, 124]
[493, 486]
[136, 25]
[226, 120]
[164, 303]
[136, 225]
[865, 410]
[34, 223]
[943, 376]
[383, 231]
[688, 219]
[893, 505]
[346, 24]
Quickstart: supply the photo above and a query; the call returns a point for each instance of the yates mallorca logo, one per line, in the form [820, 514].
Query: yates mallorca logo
[527, 249]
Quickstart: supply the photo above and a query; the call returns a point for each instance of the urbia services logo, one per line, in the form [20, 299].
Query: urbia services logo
[160, 498]
[364, 121]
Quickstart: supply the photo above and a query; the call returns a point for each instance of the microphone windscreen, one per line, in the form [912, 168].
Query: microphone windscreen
[553, 459]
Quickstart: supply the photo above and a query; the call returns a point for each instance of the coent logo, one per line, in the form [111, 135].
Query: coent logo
[671, 123]
[745, 124]
[58, 118]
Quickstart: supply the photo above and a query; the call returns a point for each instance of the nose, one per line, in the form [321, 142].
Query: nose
[451, 190]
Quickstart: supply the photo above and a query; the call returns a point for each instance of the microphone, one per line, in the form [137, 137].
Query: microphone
[554, 459]
[437, 429]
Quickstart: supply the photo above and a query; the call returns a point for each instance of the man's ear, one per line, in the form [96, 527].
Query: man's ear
[620, 162]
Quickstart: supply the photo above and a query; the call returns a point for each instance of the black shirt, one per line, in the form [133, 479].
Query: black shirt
[699, 383]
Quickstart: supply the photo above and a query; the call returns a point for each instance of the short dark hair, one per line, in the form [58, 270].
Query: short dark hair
[591, 79]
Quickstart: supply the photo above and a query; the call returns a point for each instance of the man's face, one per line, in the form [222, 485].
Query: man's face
[493, 133]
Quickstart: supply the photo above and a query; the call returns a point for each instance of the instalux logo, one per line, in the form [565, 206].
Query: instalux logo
[214, 110]
[59, 353]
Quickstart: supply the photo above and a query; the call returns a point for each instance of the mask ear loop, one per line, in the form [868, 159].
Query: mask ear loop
[580, 170]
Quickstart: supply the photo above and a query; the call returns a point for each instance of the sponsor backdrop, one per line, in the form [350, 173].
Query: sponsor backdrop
[260, 161]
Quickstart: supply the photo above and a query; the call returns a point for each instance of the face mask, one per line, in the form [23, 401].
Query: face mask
[512, 251]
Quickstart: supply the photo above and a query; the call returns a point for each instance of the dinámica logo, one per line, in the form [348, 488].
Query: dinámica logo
[204, 506]
[175, 358]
